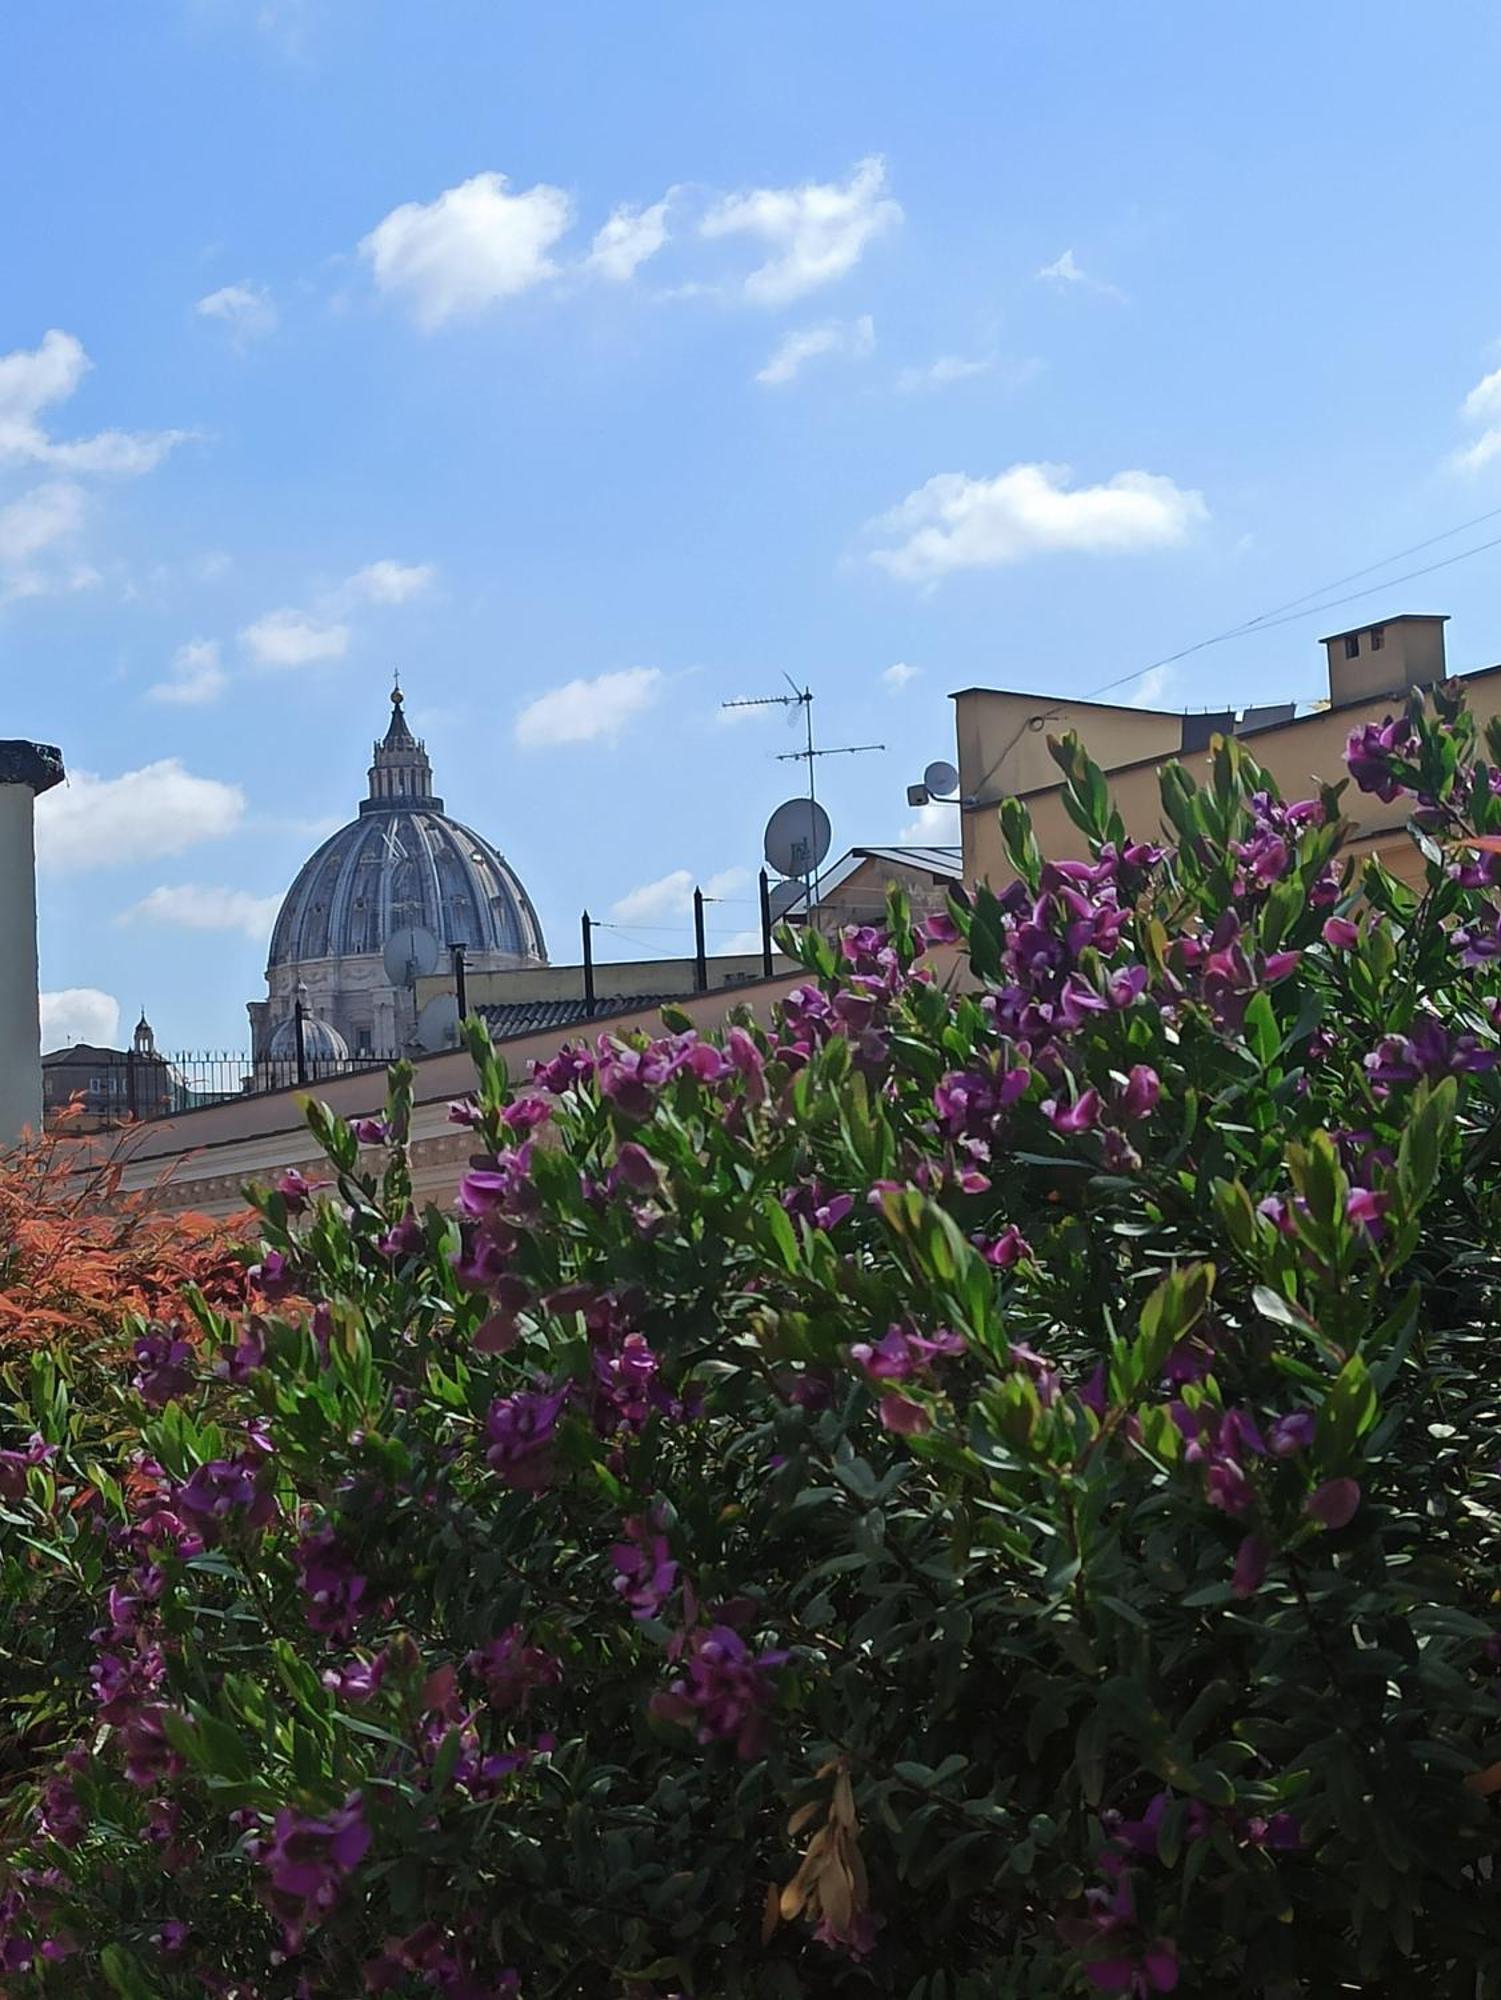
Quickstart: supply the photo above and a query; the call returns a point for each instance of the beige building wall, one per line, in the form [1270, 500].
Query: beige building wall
[1003, 738]
[1300, 756]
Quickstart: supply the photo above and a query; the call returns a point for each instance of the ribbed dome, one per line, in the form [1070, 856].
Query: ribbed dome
[321, 1043]
[403, 863]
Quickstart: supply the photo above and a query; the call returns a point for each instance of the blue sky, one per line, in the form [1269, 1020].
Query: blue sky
[667, 350]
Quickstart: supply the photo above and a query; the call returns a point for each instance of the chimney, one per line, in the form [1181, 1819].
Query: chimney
[25, 770]
[1389, 658]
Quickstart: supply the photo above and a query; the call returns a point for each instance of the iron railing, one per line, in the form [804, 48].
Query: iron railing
[97, 1094]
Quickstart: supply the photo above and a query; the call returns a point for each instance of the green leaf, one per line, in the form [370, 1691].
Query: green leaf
[126, 1975]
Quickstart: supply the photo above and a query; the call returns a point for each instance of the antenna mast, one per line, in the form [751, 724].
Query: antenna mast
[802, 697]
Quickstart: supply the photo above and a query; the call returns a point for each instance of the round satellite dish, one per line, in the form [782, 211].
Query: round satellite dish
[438, 1023]
[409, 956]
[941, 779]
[797, 837]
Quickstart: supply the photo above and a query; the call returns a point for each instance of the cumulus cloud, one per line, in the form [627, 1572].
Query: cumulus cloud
[289, 638]
[190, 907]
[814, 234]
[584, 711]
[389, 582]
[1482, 410]
[936, 825]
[79, 1014]
[672, 895]
[247, 312]
[472, 247]
[34, 380]
[955, 522]
[628, 239]
[854, 338]
[896, 677]
[1067, 273]
[160, 809]
[39, 533]
[197, 676]
[944, 371]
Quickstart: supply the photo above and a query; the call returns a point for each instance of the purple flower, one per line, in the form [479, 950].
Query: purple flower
[1334, 1503]
[1374, 752]
[900, 1353]
[1141, 1093]
[520, 1429]
[635, 1168]
[334, 1588]
[223, 1489]
[14, 1466]
[296, 1190]
[1365, 1208]
[1340, 934]
[370, 1131]
[307, 1860]
[646, 1574]
[149, 1756]
[1126, 987]
[1292, 1433]
[1429, 1050]
[512, 1670]
[1251, 1560]
[1080, 1116]
[403, 1239]
[1006, 1249]
[724, 1692]
[166, 1368]
[272, 1277]
[901, 1415]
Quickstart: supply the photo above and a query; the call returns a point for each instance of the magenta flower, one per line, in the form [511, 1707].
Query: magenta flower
[1080, 1116]
[646, 1574]
[1340, 934]
[512, 1670]
[900, 1353]
[335, 1590]
[149, 1756]
[1292, 1433]
[296, 1190]
[370, 1131]
[1374, 754]
[725, 1692]
[225, 1491]
[272, 1277]
[1251, 1560]
[307, 1861]
[1333, 1504]
[1140, 1096]
[166, 1369]
[902, 1415]
[1006, 1249]
[520, 1429]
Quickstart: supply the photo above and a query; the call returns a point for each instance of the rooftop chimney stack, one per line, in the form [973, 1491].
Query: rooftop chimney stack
[1389, 658]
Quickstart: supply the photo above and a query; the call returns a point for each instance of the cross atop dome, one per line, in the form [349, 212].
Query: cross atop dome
[401, 774]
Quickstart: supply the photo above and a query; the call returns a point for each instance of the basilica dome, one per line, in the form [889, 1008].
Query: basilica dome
[401, 864]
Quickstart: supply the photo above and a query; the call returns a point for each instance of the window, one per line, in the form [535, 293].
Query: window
[1378, 638]
[1352, 646]
[362, 1042]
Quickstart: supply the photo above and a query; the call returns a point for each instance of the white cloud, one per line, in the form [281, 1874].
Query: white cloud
[936, 825]
[197, 676]
[815, 233]
[1482, 406]
[955, 522]
[79, 1014]
[389, 582]
[947, 368]
[37, 532]
[583, 711]
[289, 638]
[1066, 271]
[855, 338]
[672, 895]
[475, 245]
[626, 241]
[33, 380]
[896, 677]
[189, 907]
[1150, 689]
[93, 822]
[248, 312]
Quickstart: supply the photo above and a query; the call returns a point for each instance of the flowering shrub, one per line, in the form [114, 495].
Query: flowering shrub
[965, 1490]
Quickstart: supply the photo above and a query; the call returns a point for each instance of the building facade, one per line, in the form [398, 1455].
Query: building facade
[402, 865]
[1003, 747]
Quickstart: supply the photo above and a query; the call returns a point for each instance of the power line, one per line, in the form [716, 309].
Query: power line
[1300, 607]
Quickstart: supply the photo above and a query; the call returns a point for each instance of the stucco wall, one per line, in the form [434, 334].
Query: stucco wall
[1299, 755]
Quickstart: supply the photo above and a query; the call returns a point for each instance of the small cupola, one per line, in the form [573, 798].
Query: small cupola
[401, 774]
[1387, 658]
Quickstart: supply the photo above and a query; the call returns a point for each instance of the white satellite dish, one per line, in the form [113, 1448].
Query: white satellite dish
[941, 779]
[438, 1024]
[782, 897]
[410, 955]
[797, 837]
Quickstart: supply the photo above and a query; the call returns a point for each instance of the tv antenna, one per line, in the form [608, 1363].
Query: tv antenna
[802, 697]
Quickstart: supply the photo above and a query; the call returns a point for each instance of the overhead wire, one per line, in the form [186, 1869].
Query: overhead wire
[1302, 607]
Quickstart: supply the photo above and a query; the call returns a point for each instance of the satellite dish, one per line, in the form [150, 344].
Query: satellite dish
[784, 895]
[409, 956]
[438, 1024]
[797, 837]
[941, 779]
